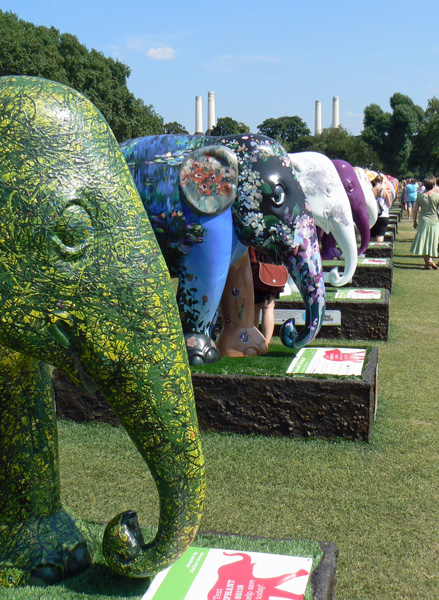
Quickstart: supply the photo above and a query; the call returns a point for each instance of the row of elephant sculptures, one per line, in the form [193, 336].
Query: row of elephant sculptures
[85, 287]
[209, 198]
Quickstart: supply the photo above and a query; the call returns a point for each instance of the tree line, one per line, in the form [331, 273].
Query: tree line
[403, 142]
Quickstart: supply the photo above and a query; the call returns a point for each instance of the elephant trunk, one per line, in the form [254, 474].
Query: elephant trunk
[168, 440]
[345, 236]
[305, 267]
[361, 221]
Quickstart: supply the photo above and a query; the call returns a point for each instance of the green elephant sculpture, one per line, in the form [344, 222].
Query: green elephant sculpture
[84, 287]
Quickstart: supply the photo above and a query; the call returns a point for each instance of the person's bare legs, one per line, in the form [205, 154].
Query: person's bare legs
[267, 322]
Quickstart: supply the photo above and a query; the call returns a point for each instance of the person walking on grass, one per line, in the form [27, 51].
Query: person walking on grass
[427, 231]
[410, 194]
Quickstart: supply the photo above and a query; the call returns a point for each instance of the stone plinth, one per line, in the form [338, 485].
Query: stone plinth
[291, 406]
[347, 318]
[370, 272]
[379, 250]
[312, 407]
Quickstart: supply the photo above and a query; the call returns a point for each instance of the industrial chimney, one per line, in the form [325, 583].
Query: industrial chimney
[198, 116]
[211, 118]
[318, 119]
[335, 112]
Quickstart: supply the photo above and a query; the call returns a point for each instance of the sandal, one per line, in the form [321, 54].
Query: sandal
[432, 264]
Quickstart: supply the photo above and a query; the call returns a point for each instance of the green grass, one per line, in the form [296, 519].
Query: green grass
[379, 502]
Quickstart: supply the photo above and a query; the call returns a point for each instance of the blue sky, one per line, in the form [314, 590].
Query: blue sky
[262, 60]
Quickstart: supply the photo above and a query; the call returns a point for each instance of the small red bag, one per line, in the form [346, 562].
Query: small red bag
[272, 278]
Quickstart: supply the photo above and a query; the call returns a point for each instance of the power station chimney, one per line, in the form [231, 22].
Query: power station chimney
[211, 118]
[198, 115]
[335, 112]
[318, 119]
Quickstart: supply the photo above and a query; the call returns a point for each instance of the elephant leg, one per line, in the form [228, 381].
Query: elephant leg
[329, 250]
[239, 336]
[40, 542]
[201, 283]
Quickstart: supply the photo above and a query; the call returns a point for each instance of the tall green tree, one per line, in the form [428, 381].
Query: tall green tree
[391, 134]
[174, 128]
[228, 126]
[424, 157]
[27, 49]
[339, 143]
[288, 131]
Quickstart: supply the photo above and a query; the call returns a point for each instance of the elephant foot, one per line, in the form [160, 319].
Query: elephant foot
[331, 254]
[45, 551]
[201, 349]
[242, 341]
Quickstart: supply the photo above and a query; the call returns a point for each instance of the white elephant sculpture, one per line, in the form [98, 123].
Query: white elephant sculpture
[330, 207]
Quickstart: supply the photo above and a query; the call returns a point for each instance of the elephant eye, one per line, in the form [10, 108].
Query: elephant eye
[350, 186]
[278, 196]
[74, 231]
[329, 189]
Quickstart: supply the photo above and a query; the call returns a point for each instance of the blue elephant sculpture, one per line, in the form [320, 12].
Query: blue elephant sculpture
[208, 199]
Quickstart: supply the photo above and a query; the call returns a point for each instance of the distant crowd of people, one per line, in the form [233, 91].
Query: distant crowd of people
[421, 200]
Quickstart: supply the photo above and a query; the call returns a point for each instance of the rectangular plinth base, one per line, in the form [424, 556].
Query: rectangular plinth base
[347, 318]
[289, 406]
[379, 250]
[370, 272]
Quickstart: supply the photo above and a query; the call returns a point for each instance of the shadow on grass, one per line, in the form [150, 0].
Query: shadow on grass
[99, 581]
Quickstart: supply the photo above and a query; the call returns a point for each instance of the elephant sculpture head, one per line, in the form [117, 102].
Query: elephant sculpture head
[369, 197]
[269, 213]
[330, 207]
[84, 287]
[355, 194]
[208, 199]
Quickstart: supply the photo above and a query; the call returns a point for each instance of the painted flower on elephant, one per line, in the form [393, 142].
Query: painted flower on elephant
[208, 178]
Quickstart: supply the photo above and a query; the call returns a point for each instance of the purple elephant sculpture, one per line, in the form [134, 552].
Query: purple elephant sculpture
[358, 202]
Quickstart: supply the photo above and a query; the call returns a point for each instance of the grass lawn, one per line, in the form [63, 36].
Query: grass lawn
[379, 501]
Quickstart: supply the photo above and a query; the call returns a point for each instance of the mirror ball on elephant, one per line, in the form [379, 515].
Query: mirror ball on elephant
[84, 288]
[208, 199]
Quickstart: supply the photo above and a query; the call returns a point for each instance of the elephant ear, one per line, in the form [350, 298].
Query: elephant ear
[208, 180]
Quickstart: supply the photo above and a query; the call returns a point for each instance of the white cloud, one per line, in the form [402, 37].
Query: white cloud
[163, 53]
[143, 45]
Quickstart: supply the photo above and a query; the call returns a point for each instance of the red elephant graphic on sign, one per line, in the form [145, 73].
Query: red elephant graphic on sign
[237, 582]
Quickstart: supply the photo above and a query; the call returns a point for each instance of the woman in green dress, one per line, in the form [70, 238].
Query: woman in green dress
[427, 234]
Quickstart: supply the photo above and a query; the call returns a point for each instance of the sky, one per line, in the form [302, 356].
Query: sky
[261, 59]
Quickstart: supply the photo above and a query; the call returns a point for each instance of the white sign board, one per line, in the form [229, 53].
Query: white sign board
[328, 361]
[332, 317]
[213, 574]
[358, 294]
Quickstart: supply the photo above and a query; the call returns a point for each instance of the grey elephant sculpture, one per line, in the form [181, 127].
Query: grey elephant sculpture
[85, 288]
[208, 199]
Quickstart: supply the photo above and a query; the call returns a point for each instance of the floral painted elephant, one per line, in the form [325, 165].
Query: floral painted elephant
[85, 288]
[208, 198]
